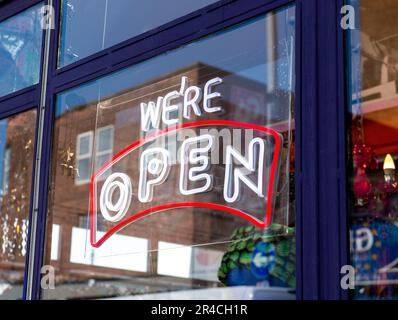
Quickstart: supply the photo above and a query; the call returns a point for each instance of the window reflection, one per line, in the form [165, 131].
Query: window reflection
[20, 48]
[187, 248]
[374, 134]
[85, 155]
[17, 141]
[195, 262]
[109, 256]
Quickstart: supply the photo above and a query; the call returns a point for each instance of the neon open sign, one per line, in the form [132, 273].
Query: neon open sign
[246, 173]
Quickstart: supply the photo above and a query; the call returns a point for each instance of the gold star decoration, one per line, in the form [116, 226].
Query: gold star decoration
[68, 162]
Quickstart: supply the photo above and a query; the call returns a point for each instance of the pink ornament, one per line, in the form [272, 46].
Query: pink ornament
[362, 185]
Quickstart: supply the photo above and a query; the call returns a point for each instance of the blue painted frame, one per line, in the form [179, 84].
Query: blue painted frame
[321, 157]
[321, 167]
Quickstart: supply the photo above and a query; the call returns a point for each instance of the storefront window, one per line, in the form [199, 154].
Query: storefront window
[178, 173]
[17, 141]
[113, 21]
[20, 47]
[373, 53]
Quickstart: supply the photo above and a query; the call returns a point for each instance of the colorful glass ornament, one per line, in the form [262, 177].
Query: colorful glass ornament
[256, 256]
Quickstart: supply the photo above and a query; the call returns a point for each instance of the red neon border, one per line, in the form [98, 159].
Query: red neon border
[231, 210]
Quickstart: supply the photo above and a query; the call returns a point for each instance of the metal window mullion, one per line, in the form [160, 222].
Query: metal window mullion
[38, 173]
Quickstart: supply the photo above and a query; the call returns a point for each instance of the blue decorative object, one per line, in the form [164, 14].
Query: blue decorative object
[263, 259]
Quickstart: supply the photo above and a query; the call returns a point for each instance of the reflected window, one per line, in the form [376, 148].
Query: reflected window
[20, 50]
[104, 146]
[113, 21]
[17, 142]
[195, 262]
[103, 152]
[109, 258]
[83, 156]
[55, 242]
[6, 170]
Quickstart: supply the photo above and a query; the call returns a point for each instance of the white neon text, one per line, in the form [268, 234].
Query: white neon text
[190, 98]
[195, 173]
[234, 176]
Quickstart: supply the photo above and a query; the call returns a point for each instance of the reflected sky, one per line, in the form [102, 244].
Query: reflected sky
[236, 51]
[20, 48]
[112, 22]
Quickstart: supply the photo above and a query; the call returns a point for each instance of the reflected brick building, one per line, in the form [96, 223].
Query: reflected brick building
[243, 99]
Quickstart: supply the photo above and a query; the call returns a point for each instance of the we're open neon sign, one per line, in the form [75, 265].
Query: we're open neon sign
[252, 171]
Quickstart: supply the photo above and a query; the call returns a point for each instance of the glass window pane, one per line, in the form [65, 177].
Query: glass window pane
[84, 145]
[101, 160]
[231, 107]
[373, 54]
[20, 48]
[105, 139]
[17, 137]
[83, 169]
[112, 22]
